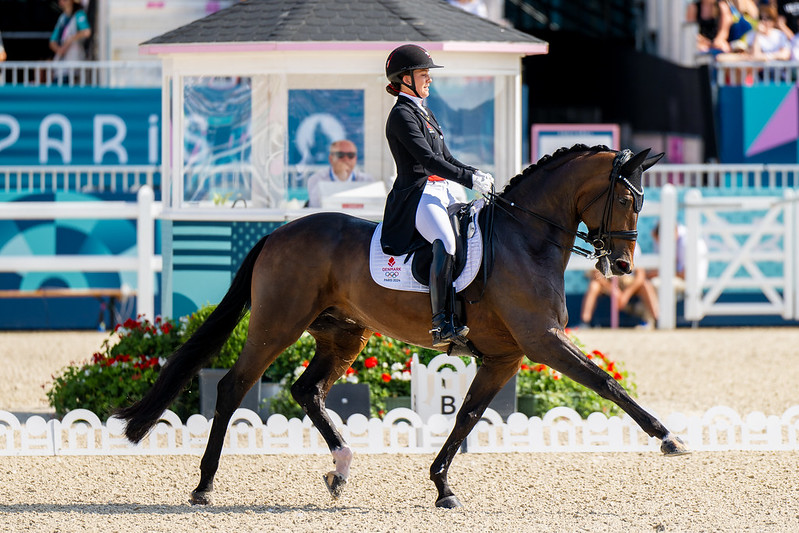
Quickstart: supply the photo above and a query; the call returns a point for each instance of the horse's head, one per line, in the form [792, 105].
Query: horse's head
[610, 206]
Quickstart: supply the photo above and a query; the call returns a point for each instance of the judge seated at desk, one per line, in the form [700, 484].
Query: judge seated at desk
[343, 158]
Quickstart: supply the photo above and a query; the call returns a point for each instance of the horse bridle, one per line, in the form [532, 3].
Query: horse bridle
[599, 238]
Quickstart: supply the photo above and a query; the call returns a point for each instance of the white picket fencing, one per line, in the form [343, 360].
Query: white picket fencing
[401, 431]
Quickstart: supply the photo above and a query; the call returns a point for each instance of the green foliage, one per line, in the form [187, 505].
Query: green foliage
[130, 358]
[121, 372]
[232, 348]
[551, 389]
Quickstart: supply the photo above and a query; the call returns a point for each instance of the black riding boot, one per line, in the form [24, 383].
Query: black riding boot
[441, 298]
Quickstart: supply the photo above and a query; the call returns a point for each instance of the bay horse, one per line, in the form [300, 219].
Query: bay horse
[313, 274]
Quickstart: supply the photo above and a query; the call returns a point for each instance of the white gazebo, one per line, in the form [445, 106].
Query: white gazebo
[253, 94]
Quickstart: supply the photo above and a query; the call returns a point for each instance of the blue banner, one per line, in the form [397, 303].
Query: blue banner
[80, 126]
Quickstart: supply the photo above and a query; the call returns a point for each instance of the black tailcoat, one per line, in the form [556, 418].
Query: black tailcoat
[417, 144]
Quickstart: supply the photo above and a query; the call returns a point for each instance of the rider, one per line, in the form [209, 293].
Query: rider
[416, 207]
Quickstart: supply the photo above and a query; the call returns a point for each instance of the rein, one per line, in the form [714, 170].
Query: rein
[601, 237]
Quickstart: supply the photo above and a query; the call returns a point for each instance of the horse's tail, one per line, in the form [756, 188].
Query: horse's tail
[195, 353]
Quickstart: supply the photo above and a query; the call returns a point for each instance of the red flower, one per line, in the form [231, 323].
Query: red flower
[525, 367]
[370, 362]
[377, 334]
[540, 368]
[349, 371]
[305, 363]
[407, 351]
[617, 376]
[135, 377]
[386, 377]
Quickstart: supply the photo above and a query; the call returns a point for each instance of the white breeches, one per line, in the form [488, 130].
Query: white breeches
[432, 220]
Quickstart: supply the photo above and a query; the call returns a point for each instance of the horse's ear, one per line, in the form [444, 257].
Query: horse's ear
[650, 161]
[634, 162]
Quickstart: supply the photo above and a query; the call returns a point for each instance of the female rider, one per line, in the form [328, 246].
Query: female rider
[416, 207]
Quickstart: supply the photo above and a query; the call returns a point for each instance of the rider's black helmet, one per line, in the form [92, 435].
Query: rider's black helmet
[405, 58]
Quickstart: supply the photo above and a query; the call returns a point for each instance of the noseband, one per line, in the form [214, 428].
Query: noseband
[599, 238]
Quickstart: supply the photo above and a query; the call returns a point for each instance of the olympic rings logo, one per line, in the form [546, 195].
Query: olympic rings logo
[389, 275]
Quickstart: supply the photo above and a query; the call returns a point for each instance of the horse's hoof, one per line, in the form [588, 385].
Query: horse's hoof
[200, 498]
[449, 502]
[673, 446]
[335, 483]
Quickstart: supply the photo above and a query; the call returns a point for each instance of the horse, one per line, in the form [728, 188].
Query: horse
[312, 274]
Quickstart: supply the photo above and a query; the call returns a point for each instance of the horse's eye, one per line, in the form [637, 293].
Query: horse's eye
[624, 201]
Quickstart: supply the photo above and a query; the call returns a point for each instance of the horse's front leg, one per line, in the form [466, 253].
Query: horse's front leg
[490, 378]
[559, 353]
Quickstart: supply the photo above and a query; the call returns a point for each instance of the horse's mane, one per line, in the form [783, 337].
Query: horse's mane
[545, 160]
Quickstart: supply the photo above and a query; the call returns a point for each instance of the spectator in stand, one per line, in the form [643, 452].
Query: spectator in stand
[708, 16]
[769, 42]
[343, 158]
[788, 17]
[71, 30]
[3, 55]
[475, 7]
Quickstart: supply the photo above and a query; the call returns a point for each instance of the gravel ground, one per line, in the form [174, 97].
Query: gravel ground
[684, 371]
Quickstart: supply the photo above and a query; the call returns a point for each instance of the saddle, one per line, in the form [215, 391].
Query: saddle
[461, 216]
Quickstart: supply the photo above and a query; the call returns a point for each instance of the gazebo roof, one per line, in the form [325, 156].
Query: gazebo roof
[266, 25]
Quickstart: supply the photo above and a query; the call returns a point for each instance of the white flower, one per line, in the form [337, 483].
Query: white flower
[396, 375]
[406, 375]
[161, 361]
[352, 378]
[397, 366]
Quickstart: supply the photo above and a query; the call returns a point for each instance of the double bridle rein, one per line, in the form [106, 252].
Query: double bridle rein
[599, 238]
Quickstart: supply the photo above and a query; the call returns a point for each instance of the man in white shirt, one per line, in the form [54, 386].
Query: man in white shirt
[343, 158]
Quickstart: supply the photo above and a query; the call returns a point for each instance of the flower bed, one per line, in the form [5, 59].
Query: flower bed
[131, 357]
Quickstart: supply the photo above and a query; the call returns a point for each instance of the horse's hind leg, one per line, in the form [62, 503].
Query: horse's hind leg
[560, 353]
[253, 361]
[338, 343]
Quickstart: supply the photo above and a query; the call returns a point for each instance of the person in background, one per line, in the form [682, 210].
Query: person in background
[679, 259]
[343, 158]
[629, 286]
[708, 16]
[788, 17]
[71, 29]
[769, 42]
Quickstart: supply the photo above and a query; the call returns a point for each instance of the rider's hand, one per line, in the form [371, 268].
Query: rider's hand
[482, 182]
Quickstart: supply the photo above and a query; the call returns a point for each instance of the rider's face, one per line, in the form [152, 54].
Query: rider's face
[422, 80]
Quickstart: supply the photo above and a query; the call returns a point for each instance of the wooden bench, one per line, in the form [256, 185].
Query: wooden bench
[114, 297]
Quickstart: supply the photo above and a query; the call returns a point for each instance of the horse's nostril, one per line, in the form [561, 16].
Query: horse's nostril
[623, 265]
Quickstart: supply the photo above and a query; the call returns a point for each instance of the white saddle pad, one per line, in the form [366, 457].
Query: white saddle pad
[392, 272]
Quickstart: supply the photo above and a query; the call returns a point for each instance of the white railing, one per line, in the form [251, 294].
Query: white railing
[81, 73]
[69, 178]
[755, 72]
[723, 176]
[402, 430]
[768, 236]
[145, 263]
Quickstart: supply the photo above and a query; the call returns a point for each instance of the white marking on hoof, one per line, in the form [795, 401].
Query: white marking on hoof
[342, 458]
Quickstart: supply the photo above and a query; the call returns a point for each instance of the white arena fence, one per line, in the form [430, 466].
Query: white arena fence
[401, 431]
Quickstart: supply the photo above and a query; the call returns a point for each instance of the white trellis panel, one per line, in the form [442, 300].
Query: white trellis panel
[770, 235]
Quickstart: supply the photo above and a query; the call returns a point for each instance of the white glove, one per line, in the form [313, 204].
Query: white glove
[482, 182]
